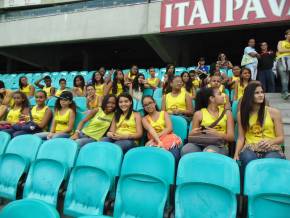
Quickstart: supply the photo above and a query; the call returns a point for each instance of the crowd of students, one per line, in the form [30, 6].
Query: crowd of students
[110, 117]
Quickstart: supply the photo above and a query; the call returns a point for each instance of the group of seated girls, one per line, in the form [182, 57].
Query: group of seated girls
[111, 117]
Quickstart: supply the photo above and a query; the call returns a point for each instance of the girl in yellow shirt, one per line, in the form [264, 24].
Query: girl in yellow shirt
[260, 127]
[235, 77]
[242, 83]
[79, 86]
[40, 115]
[99, 122]
[50, 91]
[126, 128]
[159, 128]
[131, 75]
[215, 82]
[93, 100]
[153, 82]
[62, 84]
[177, 102]
[117, 86]
[17, 114]
[207, 112]
[64, 118]
[98, 83]
[25, 87]
[188, 86]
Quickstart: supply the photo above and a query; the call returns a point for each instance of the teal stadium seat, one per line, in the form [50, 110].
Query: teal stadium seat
[97, 166]
[32, 101]
[54, 160]
[20, 152]
[207, 184]
[179, 125]
[143, 187]
[28, 209]
[179, 70]
[4, 139]
[267, 187]
[235, 110]
[51, 103]
[157, 93]
[81, 103]
[148, 91]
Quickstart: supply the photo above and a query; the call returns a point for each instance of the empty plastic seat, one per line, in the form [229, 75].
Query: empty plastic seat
[148, 91]
[143, 187]
[158, 103]
[51, 103]
[28, 208]
[267, 187]
[179, 125]
[53, 162]
[20, 151]
[32, 101]
[4, 139]
[179, 70]
[235, 109]
[157, 93]
[207, 184]
[100, 216]
[81, 103]
[97, 166]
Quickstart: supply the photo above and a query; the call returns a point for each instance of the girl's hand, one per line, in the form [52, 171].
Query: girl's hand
[196, 130]
[236, 156]
[212, 131]
[265, 144]
[110, 134]
[50, 135]
[75, 136]
[149, 143]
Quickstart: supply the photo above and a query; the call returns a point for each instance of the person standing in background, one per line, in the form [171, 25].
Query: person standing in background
[250, 58]
[265, 65]
[283, 63]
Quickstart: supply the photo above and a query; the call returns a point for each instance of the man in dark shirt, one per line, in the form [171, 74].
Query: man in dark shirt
[265, 65]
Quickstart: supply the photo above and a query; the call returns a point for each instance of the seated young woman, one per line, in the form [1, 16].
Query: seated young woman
[64, 118]
[177, 101]
[126, 128]
[260, 127]
[208, 111]
[99, 122]
[159, 128]
[93, 100]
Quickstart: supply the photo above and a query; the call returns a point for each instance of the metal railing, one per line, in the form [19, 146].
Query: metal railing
[65, 8]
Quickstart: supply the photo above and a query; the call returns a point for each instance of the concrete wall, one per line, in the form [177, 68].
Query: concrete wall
[93, 24]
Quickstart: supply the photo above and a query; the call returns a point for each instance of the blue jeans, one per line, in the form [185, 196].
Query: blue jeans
[125, 145]
[84, 139]
[248, 155]
[267, 78]
[43, 135]
[283, 68]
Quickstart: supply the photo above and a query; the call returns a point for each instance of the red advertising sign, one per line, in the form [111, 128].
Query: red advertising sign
[200, 14]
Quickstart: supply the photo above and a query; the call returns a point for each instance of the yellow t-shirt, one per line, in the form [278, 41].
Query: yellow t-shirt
[221, 88]
[13, 115]
[285, 45]
[222, 107]
[93, 104]
[119, 89]
[125, 127]
[177, 102]
[131, 77]
[256, 132]
[184, 90]
[47, 90]
[26, 90]
[58, 92]
[234, 79]
[99, 89]
[62, 121]
[196, 83]
[159, 124]
[241, 90]
[38, 115]
[208, 119]
[98, 125]
[153, 81]
[8, 96]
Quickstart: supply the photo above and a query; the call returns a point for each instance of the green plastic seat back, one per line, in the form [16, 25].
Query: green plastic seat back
[44, 179]
[204, 179]
[235, 109]
[81, 103]
[28, 208]
[148, 92]
[179, 125]
[157, 93]
[267, 187]
[4, 139]
[143, 187]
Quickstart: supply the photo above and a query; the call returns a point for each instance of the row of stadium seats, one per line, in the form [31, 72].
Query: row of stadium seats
[11, 80]
[206, 184]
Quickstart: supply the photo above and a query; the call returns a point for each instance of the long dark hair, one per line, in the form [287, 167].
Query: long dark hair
[247, 105]
[94, 81]
[202, 98]
[82, 80]
[148, 96]
[25, 103]
[241, 79]
[115, 82]
[188, 84]
[119, 112]
[136, 83]
[106, 100]
[57, 106]
[19, 81]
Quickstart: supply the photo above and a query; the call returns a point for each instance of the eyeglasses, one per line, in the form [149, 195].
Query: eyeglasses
[148, 104]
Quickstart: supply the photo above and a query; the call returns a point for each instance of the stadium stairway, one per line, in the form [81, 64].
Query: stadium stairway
[276, 101]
